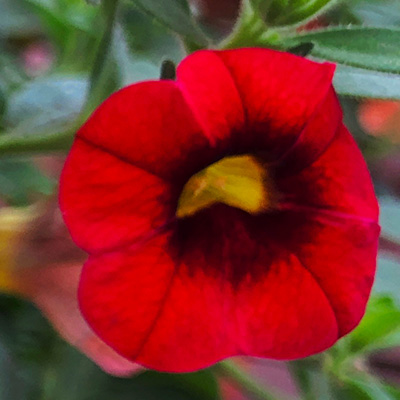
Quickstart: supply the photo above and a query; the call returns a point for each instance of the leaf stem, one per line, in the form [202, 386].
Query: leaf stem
[246, 382]
[300, 375]
[12, 145]
[103, 65]
[250, 30]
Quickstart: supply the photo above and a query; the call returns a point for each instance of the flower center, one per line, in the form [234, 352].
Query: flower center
[239, 181]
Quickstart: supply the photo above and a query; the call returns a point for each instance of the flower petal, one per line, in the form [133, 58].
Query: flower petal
[340, 252]
[107, 202]
[338, 181]
[186, 300]
[314, 139]
[210, 91]
[280, 93]
[150, 125]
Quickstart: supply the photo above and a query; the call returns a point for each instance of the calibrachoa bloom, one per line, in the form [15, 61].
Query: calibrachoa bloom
[270, 252]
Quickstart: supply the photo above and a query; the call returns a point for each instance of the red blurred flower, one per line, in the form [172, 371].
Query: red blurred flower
[178, 294]
[381, 118]
[37, 58]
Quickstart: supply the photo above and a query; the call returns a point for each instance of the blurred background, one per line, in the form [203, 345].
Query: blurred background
[48, 63]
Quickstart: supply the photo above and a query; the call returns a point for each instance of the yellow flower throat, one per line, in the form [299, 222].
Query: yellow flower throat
[239, 181]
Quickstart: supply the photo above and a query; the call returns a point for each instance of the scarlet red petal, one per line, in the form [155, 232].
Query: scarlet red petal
[150, 125]
[340, 252]
[338, 240]
[121, 293]
[210, 91]
[280, 93]
[315, 137]
[180, 305]
[107, 202]
[338, 181]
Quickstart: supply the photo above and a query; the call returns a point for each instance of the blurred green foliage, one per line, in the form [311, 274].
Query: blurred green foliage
[36, 364]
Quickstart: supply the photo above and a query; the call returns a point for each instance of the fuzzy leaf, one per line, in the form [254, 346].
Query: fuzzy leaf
[360, 389]
[370, 48]
[45, 105]
[358, 82]
[176, 15]
[381, 320]
[283, 12]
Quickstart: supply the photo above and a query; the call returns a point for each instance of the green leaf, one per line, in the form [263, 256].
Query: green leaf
[105, 75]
[283, 12]
[133, 66]
[390, 215]
[54, 141]
[393, 391]
[370, 48]
[28, 340]
[43, 115]
[176, 15]
[363, 388]
[10, 384]
[141, 45]
[12, 74]
[377, 13]
[77, 378]
[153, 385]
[20, 180]
[65, 15]
[45, 367]
[15, 21]
[46, 105]
[358, 82]
[2, 103]
[388, 277]
[380, 321]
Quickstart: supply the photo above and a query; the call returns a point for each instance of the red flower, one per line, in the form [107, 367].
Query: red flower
[381, 118]
[178, 294]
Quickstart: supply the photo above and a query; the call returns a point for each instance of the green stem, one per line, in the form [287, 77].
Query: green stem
[103, 65]
[250, 30]
[245, 381]
[300, 375]
[12, 145]
[49, 383]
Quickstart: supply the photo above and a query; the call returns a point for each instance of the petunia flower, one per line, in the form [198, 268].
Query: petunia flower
[226, 213]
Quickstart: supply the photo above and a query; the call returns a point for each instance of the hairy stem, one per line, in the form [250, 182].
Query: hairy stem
[245, 381]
